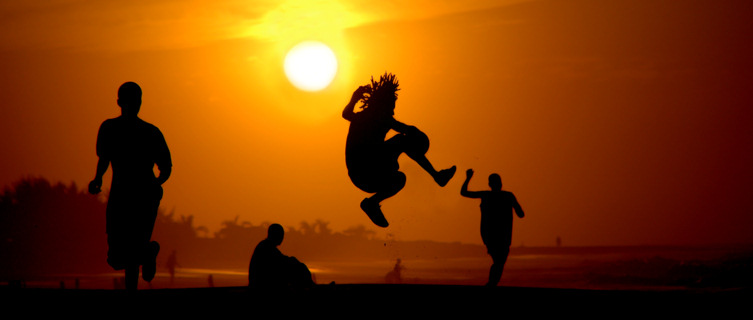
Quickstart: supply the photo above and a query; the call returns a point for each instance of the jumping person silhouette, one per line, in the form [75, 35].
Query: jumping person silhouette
[133, 146]
[372, 161]
[496, 221]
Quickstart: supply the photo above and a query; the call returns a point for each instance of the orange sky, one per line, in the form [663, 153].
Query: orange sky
[613, 122]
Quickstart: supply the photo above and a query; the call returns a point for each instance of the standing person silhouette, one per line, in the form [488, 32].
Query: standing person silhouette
[372, 161]
[172, 262]
[133, 146]
[496, 221]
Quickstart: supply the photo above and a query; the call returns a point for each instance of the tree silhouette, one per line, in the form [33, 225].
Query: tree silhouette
[58, 229]
[359, 232]
[55, 224]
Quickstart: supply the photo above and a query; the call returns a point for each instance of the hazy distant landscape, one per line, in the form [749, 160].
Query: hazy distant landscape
[55, 232]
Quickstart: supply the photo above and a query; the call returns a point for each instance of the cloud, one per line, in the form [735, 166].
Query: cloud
[152, 25]
[122, 25]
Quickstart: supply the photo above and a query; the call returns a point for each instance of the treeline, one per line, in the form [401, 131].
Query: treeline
[50, 229]
[53, 228]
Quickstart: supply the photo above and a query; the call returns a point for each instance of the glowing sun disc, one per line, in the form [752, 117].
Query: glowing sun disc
[310, 66]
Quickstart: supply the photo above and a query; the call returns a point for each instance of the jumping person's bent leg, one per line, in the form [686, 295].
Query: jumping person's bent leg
[391, 184]
[415, 145]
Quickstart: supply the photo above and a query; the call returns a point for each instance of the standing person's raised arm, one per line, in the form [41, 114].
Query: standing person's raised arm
[464, 189]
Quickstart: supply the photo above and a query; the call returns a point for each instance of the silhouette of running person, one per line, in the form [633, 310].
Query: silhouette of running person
[496, 221]
[133, 147]
[372, 161]
[269, 269]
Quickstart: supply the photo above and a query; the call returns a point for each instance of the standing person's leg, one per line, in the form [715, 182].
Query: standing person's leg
[499, 258]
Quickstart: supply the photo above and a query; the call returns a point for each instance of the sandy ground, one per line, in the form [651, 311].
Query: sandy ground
[394, 301]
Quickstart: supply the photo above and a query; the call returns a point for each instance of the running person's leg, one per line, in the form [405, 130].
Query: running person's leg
[132, 277]
[150, 249]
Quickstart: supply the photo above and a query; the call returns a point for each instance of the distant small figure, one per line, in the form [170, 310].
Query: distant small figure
[372, 161]
[270, 269]
[172, 262]
[496, 221]
[133, 146]
[210, 280]
[395, 276]
[118, 283]
[559, 241]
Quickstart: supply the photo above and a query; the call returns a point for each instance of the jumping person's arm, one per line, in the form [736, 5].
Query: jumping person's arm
[464, 189]
[357, 96]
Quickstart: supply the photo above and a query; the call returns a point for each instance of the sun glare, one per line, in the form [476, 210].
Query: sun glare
[310, 66]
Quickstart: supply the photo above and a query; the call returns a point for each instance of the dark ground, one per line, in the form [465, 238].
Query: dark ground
[359, 300]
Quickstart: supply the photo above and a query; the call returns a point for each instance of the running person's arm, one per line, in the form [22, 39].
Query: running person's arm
[464, 189]
[516, 206]
[165, 161]
[357, 96]
[95, 186]
[164, 174]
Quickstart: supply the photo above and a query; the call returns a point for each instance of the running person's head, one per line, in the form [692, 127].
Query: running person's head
[382, 95]
[495, 182]
[129, 98]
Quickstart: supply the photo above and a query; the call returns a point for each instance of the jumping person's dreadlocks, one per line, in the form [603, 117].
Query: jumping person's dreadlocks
[382, 91]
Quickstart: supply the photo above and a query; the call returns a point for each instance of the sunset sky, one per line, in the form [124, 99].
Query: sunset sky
[621, 122]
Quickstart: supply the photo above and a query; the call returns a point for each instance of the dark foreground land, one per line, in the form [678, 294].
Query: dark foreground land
[355, 300]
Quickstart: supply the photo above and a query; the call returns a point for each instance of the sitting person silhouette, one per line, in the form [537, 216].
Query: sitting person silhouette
[372, 161]
[133, 146]
[496, 221]
[270, 269]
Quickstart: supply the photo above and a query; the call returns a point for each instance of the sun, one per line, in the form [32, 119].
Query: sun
[310, 66]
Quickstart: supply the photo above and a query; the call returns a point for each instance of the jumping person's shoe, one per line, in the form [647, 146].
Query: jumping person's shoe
[374, 211]
[149, 269]
[444, 176]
